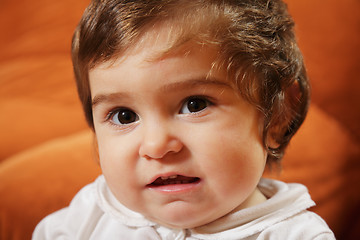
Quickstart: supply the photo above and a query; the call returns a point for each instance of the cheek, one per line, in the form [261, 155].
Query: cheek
[235, 163]
[118, 170]
[117, 160]
[108, 152]
[115, 150]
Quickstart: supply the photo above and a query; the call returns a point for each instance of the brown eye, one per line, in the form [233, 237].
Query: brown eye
[194, 104]
[124, 116]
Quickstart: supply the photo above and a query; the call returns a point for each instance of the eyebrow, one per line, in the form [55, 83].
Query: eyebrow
[110, 97]
[194, 82]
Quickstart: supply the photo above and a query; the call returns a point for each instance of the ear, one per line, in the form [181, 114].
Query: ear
[272, 138]
[284, 121]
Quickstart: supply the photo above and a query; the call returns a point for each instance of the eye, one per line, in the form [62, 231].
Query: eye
[194, 104]
[123, 116]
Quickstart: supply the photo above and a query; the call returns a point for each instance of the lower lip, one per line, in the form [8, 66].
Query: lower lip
[176, 188]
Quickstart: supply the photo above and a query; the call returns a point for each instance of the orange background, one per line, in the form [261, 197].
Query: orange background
[46, 150]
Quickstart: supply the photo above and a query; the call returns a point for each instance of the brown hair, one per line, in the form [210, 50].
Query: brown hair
[256, 45]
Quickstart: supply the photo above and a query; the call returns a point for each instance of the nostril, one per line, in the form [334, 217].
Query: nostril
[158, 149]
[176, 145]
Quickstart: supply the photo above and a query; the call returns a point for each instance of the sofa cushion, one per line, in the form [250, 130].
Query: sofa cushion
[43, 179]
[38, 102]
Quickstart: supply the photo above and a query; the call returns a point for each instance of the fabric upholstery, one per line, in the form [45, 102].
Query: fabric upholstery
[47, 153]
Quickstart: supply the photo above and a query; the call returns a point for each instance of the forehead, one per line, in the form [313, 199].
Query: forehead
[150, 59]
[162, 41]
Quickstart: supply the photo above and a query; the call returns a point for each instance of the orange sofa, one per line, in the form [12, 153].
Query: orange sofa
[47, 152]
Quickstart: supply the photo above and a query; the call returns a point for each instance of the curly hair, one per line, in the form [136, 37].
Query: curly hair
[255, 38]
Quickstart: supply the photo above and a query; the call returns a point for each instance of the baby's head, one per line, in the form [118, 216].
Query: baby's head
[255, 42]
[208, 90]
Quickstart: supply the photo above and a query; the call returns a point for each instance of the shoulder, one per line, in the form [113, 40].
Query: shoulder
[73, 220]
[283, 216]
[288, 204]
[303, 226]
[94, 213]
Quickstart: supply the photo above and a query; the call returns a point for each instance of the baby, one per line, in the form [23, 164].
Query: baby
[189, 101]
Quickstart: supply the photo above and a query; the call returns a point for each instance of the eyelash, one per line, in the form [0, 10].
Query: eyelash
[114, 111]
[208, 101]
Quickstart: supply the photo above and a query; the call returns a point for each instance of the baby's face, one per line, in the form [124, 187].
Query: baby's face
[176, 143]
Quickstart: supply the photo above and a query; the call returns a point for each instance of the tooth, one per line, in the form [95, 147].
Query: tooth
[173, 177]
[164, 178]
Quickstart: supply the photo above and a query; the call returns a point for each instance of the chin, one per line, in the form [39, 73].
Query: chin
[180, 225]
[182, 221]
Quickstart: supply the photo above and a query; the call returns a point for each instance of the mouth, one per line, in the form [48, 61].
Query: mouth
[173, 180]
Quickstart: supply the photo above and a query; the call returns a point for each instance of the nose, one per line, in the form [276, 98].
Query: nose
[158, 140]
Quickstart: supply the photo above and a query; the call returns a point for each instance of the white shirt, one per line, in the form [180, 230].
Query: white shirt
[94, 213]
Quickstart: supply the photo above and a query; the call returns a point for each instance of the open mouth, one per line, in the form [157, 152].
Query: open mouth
[173, 180]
